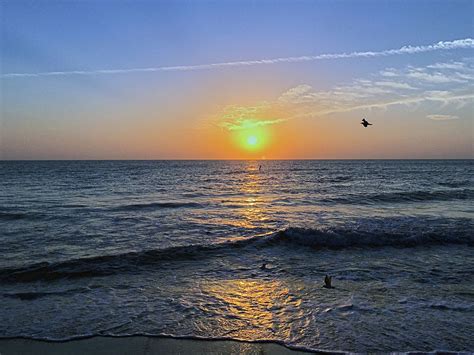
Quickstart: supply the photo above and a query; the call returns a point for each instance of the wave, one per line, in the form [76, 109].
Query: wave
[404, 237]
[338, 179]
[455, 184]
[28, 296]
[442, 305]
[13, 216]
[405, 196]
[155, 205]
[445, 306]
[111, 264]
[377, 233]
[32, 216]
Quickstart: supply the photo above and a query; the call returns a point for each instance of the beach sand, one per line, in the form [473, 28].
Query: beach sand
[138, 345]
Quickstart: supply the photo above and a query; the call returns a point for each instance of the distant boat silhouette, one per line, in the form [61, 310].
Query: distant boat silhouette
[365, 123]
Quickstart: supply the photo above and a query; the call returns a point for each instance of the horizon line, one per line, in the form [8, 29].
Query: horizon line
[229, 159]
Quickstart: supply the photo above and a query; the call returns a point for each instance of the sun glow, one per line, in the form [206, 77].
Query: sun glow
[252, 140]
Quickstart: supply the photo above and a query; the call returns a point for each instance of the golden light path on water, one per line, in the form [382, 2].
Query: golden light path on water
[255, 308]
[254, 204]
[260, 307]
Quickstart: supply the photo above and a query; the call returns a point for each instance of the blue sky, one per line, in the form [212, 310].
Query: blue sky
[50, 36]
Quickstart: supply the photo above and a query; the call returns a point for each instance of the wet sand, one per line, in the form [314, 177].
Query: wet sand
[138, 345]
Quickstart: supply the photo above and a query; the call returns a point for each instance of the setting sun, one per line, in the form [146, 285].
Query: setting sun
[252, 140]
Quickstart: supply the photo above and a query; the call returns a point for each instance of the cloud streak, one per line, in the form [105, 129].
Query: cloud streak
[442, 45]
[434, 87]
[442, 117]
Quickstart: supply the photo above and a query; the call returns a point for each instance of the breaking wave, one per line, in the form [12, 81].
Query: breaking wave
[342, 239]
[365, 235]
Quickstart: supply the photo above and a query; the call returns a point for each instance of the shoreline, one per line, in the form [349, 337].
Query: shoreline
[140, 344]
[161, 344]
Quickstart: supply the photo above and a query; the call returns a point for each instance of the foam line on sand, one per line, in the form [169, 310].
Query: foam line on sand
[139, 345]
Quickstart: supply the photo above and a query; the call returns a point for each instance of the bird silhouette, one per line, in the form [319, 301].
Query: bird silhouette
[365, 123]
[327, 281]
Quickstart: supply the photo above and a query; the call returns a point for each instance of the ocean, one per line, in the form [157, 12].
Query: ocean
[239, 250]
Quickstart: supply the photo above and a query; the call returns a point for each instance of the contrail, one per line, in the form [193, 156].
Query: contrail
[442, 45]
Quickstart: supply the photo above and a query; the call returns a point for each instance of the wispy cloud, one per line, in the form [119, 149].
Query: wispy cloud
[250, 123]
[433, 97]
[394, 85]
[234, 118]
[444, 83]
[437, 86]
[410, 49]
[442, 117]
[439, 73]
[436, 78]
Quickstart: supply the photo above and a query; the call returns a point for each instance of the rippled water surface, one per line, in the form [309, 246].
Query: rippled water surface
[177, 248]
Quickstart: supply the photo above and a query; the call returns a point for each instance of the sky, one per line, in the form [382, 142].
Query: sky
[236, 79]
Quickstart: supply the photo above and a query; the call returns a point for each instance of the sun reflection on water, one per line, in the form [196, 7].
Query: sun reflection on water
[251, 309]
[254, 199]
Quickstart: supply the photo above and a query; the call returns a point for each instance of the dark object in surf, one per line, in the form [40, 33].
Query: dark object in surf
[327, 281]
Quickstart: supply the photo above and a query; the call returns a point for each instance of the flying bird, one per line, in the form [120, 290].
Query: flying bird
[365, 123]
